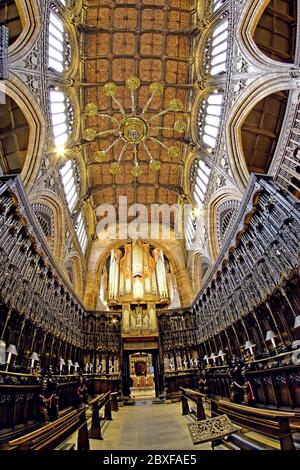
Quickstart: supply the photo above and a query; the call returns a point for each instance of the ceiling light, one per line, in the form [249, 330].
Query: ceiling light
[135, 129]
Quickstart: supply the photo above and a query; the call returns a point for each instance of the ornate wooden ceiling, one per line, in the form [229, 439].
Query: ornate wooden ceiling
[150, 39]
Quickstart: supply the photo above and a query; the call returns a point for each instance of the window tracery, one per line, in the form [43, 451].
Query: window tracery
[208, 119]
[59, 46]
[62, 115]
[200, 174]
[70, 181]
[81, 233]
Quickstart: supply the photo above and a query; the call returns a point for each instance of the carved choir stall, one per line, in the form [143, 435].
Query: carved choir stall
[239, 339]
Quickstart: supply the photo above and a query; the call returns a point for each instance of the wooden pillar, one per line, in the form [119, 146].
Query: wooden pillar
[285, 438]
[83, 442]
[185, 405]
[114, 401]
[107, 412]
[200, 410]
[95, 432]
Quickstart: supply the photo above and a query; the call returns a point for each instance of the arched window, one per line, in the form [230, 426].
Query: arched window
[200, 174]
[59, 48]
[190, 229]
[214, 63]
[208, 118]
[215, 55]
[81, 233]
[70, 180]
[217, 4]
[62, 115]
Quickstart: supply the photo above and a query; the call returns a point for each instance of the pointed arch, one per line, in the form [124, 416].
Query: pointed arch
[253, 94]
[30, 18]
[220, 198]
[74, 270]
[16, 90]
[250, 17]
[52, 201]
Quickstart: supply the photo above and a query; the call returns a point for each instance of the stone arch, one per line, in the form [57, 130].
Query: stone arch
[276, 31]
[45, 217]
[30, 19]
[250, 17]
[224, 199]
[100, 251]
[199, 266]
[51, 201]
[256, 92]
[15, 89]
[74, 271]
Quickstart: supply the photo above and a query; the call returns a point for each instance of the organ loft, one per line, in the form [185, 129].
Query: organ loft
[149, 225]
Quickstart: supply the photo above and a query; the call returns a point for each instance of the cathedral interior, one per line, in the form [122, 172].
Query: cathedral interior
[149, 224]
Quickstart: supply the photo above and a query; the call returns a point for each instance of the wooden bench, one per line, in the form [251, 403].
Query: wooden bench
[52, 435]
[272, 423]
[114, 401]
[97, 403]
[196, 397]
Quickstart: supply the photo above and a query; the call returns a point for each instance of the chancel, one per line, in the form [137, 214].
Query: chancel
[149, 225]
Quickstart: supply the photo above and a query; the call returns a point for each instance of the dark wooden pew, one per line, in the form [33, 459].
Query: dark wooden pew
[272, 423]
[196, 397]
[114, 401]
[98, 403]
[278, 425]
[51, 435]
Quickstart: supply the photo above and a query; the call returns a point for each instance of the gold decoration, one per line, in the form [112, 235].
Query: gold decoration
[91, 109]
[90, 134]
[136, 171]
[180, 126]
[115, 168]
[110, 89]
[173, 152]
[133, 129]
[156, 88]
[155, 165]
[133, 83]
[175, 105]
[100, 156]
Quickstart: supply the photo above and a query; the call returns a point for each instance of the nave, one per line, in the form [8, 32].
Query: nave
[145, 426]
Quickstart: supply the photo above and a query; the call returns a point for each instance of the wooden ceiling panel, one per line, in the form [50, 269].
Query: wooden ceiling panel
[276, 31]
[149, 39]
[152, 44]
[261, 129]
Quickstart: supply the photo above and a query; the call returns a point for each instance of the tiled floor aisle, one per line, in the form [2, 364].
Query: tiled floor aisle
[149, 427]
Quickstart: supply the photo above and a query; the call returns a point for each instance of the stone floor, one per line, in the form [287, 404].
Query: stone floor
[148, 427]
